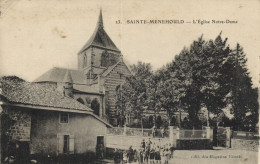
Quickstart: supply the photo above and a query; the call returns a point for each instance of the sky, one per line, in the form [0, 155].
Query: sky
[38, 35]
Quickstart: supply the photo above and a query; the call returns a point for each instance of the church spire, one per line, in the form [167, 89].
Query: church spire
[100, 20]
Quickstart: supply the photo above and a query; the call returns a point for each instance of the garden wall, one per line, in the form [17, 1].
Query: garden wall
[251, 145]
[196, 144]
[245, 141]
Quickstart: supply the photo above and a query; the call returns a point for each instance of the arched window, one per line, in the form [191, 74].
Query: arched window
[80, 100]
[95, 106]
[118, 90]
[88, 102]
[118, 99]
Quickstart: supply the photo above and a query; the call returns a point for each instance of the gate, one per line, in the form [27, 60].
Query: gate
[223, 135]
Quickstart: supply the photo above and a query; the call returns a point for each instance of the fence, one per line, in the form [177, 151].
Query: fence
[181, 134]
[196, 139]
[193, 134]
[137, 132]
[115, 131]
[245, 135]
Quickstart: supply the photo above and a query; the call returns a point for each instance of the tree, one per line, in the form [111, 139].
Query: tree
[242, 97]
[132, 95]
[208, 74]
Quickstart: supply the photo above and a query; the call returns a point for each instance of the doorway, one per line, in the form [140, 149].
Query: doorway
[100, 148]
[66, 144]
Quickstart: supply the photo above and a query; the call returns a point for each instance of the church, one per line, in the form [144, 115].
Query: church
[101, 70]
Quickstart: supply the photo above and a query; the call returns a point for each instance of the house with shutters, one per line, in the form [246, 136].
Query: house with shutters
[44, 119]
[101, 70]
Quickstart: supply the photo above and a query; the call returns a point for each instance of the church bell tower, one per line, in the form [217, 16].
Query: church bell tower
[100, 44]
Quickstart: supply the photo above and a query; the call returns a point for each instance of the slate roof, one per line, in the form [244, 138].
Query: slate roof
[100, 38]
[38, 94]
[78, 78]
[87, 88]
[67, 78]
[57, 75]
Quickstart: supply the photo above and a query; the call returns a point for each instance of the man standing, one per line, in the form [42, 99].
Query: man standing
[153, 130]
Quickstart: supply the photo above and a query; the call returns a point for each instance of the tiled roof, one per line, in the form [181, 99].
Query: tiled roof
[38, 94]
[100, 38]
[87, 88]
[57, 75]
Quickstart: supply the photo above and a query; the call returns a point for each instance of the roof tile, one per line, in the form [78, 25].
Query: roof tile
[42, 94]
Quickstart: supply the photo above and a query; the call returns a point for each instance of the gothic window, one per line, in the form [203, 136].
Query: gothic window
[84, 60]
[88, 101]
[107, 102]
[118, 90]
[80, 100]
[95, 106]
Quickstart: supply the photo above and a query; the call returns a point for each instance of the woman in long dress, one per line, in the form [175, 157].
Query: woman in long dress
[152, 153]
[157, 155]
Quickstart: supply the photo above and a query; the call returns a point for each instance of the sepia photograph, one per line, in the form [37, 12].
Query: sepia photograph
[129, 81]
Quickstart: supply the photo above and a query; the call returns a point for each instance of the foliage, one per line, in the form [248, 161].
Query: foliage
[208, 74]
[131, 96]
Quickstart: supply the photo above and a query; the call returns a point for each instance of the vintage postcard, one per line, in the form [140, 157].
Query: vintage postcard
[129, 81]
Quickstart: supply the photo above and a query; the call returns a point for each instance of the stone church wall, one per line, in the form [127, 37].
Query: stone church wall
[88, 98]
[113, 80]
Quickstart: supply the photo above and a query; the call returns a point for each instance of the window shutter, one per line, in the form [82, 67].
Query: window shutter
[71, 144]
[60, 143]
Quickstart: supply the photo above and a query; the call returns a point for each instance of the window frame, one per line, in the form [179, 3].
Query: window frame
[60, 117]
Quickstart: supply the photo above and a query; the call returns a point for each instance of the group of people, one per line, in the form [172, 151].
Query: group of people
[149, 153]
[161, 131]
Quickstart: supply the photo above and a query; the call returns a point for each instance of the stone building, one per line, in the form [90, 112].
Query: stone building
[43, 120]
[100, 71]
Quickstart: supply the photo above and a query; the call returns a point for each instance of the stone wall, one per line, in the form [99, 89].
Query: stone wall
[251, 145]
[84, 58]
[112, 81]
[195, 144]
[21, 127]
[88, 99]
